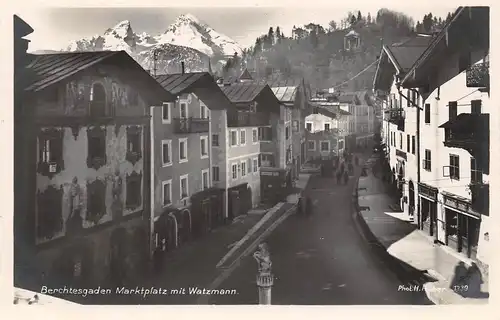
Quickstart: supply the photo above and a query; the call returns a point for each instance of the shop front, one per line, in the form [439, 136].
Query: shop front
[462, 225]
[428, 197]
[274, 183]
[239, 200]
[206, 211]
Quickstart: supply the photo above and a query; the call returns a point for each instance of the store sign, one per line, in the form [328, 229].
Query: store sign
[427, 191]
[459, 205]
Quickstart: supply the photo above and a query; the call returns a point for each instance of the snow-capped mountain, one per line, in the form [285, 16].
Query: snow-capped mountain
[188, 31]
[187, 39]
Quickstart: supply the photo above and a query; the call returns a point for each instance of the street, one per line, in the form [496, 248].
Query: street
[322, 259]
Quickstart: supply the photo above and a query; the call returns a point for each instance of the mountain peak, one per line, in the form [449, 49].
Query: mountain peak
[187, 17]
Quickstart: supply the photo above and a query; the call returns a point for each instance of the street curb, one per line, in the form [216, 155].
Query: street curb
[250, 232]
[392, 262]
[227, 272]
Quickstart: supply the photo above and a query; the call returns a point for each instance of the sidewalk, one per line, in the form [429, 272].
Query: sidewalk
[401, 239]
[195, 264]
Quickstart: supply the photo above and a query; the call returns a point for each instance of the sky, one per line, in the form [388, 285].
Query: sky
[56, 27]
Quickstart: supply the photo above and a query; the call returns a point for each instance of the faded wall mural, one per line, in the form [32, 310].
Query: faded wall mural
[81, 194]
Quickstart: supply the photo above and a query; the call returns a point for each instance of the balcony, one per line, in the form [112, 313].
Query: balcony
[480, 195]
[191, 125]
[247, 119]
[478, 76]
[397, 117]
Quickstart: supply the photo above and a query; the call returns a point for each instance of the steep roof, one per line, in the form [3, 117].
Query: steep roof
[247, 92]
[285, 94]
[407, 52]
[200, 83]
[48, 69]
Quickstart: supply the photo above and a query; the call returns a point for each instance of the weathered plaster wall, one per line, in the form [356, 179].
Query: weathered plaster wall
[75, 176]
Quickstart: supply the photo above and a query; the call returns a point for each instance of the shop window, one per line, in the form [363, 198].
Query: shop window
[49, 212]
[134, 196]
[452, 224]
[96, 200]
[134, 151]
[96, 157]
[50, 152]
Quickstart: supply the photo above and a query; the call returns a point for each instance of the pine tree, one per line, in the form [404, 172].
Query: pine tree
[359, 16]
[369, 18]
[278, 34]
[270, 36]
[353, 20]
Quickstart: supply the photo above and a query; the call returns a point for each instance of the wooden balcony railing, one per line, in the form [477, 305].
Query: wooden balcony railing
[191, 125]
[247, 119]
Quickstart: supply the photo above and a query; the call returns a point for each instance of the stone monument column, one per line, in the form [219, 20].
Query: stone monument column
[264, 276]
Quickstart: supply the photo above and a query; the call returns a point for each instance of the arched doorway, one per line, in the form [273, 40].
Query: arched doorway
[117, 256]
[97, 100]
[411, 200]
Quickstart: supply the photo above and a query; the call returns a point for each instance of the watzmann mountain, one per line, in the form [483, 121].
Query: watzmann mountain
[187, 39]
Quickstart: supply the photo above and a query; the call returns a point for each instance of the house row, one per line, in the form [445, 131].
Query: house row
[434, 90]
[114, 165]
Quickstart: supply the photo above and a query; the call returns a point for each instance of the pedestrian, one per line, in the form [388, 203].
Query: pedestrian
[346, 177]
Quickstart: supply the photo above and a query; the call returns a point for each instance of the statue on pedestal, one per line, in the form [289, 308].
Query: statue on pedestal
[263, 259]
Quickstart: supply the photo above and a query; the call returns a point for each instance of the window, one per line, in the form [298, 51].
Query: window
[452, 110]
[295, 125]
[134, 197]
[311, 145]
[97, 100]
[204, 147]
[427, 111]
[133, 143]
[165, 112]
[166, 192]
[325, 145]
[454, 167]
[408, 143]
[309, 126]
[183, 110]
[203, 111]
[243, 137]
[243, 168]
[234, 171]
[234, 138]
[476, 175]
[266, 160]
[183, 150]
[166, 152]
[215, 173]
[96, 200]
[255, 135]
[413, 144]
[255, 165]
[205, 179]
[427, 160]
[327, 126]
[184, 187]
[400, 141]
[215, 140]
[287, 132]
[96, 147]
[249, 165]
[265, 134]
[50, 150]
[475, 106]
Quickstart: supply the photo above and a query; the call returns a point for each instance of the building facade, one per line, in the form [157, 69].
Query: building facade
[401, 117]
[454, 186]
[85, 168]
[185, 204]
[253, 137]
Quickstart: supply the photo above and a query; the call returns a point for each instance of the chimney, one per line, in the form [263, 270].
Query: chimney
[182, 67]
